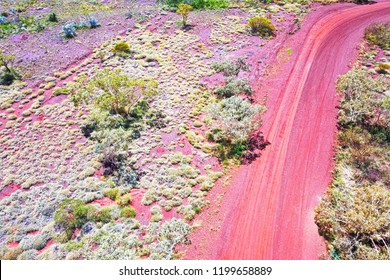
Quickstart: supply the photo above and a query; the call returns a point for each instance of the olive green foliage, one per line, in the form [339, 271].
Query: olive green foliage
[9, 74]
[383, 68]
[230, 68]
[233, 120]
[235, 117]
[261, 26]
[356, 221]
[113, 194]
[360, 103]
[122, 49]
[354, 213]
[128, 212]
[74, 213]
[379, 34]
[52, 17]
[114, 92]
[124, 200]
[234, 87]
[184, 10]
[17, 24]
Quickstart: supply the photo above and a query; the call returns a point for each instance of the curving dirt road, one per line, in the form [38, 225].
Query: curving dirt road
[273, 217]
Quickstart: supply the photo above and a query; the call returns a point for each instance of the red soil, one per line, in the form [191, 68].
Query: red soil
[8, 190]
[268, 211]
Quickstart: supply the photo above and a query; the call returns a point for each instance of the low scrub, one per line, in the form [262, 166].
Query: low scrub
[234, 87]
[361, 102]
[184, 10]
[233, 120]
[74, 213]
[230, 68]
[122, 49]
[353, 214]
[379, 34]
[262, 26]
[8, 75]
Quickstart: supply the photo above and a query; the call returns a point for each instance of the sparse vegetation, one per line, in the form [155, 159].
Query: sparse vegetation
[353, 214]
[231, 68]
[74, 213]
[200, 4]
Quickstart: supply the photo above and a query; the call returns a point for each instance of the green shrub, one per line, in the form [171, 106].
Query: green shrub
[70, 215]
[7, 78]
[124, 200]
[69, 30]
[234, 87]
[9, 75]
[233, 121]
[230, 68]
[128, 212]
[121, 49]
[74, 213]
[379, 34]
[52, 17]
[355, 221]
[383, 68]
[261, 26]
[104, 215]
[358, 90]
[113, 194]
[234, 118]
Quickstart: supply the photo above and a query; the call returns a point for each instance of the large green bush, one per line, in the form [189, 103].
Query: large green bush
[235, 118]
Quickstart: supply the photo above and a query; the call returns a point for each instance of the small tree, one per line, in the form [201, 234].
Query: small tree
[114, 92]
[184, 10]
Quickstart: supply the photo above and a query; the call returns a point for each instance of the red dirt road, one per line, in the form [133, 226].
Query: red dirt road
[274, 214]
